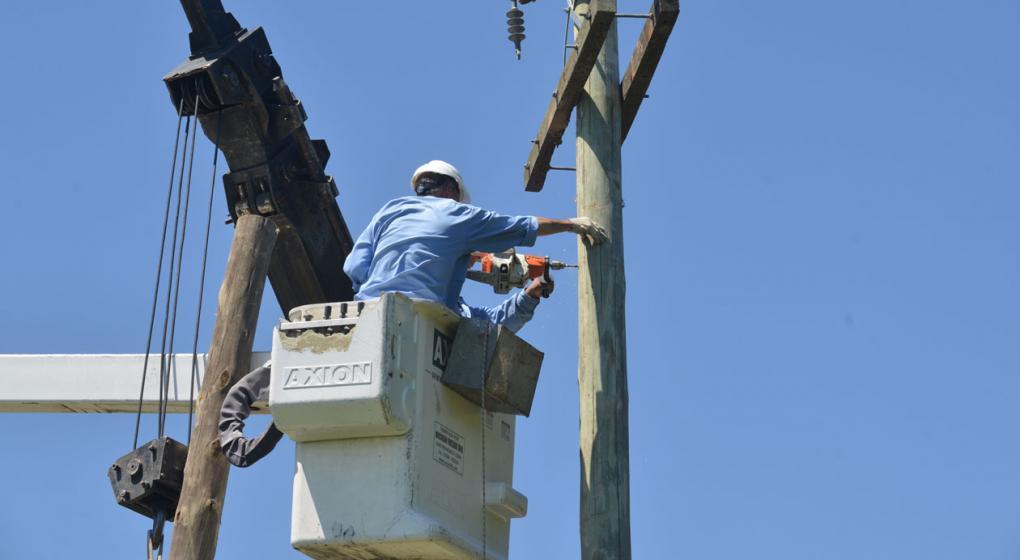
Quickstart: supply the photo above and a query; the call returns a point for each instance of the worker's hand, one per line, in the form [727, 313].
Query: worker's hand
[590, 232]
[540, 288]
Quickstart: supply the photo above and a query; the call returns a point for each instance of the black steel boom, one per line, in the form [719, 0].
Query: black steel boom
[276, 169]
[211, 26]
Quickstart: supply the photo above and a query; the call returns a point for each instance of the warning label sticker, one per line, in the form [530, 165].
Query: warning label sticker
[449, 449]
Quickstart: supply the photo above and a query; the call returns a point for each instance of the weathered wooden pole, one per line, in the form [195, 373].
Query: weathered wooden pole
[602, 334]
[197, 523]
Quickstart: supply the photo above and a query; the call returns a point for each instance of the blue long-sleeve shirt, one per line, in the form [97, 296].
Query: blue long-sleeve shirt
[420, 246]
[513, 313]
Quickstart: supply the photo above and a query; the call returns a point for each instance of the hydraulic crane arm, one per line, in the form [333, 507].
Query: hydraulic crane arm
[211, 26]
[236, 87]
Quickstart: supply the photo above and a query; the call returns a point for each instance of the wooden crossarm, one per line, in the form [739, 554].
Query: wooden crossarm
[575, 73]
[643, 62]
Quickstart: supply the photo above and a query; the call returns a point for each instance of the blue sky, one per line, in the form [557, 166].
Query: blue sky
[822, 227]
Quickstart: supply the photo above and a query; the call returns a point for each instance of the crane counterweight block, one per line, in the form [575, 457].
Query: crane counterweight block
[276, 169]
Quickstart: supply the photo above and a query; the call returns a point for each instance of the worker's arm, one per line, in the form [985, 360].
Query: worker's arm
[359, 261]
[540, 287]
[491, 232]
[358, 264]
[516, 310]
[549, 226]
[513, 313]
[590, 232]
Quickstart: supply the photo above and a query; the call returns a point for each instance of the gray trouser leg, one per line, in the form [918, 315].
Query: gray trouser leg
[239, 450]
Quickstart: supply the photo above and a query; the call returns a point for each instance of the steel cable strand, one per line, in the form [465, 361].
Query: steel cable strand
[201, 281]
[159, 272]
[180, 264]
[163, 365]
[485, 544]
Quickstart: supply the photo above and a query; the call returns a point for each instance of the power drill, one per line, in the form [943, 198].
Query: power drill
[508, 270]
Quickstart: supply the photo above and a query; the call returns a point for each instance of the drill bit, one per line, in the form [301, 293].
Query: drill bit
[559, 265]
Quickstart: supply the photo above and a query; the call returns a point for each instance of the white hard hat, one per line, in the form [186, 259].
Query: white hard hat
[443, 168]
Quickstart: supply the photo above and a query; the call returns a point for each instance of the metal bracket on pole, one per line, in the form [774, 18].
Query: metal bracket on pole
[645, 59]
[575, 73]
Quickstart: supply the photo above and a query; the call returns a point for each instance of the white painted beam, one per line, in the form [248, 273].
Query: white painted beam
[96, 382]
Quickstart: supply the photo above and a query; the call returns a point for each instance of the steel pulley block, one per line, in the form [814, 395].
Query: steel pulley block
[148, 480]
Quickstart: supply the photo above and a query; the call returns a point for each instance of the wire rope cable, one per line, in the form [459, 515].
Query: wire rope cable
[153, 553]
[201, 276]
[159, 272]
[485, 544]
[163, 366]
[177, 239]
[165, 400]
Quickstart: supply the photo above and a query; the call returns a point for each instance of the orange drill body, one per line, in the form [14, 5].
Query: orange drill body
[508, 270]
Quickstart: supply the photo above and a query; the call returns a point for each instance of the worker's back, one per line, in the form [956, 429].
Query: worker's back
[419, 246]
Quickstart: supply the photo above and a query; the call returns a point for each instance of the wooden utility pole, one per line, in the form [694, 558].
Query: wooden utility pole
[197, 523]
[602, 334]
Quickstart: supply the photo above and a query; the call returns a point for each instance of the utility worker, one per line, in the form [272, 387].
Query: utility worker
[420, 246]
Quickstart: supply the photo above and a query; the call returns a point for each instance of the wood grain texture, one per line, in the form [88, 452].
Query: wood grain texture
[197, 523]
[557, 116]
[645, 59]
[602, 333]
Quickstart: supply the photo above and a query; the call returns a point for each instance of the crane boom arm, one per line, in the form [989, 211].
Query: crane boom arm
[236, 87]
